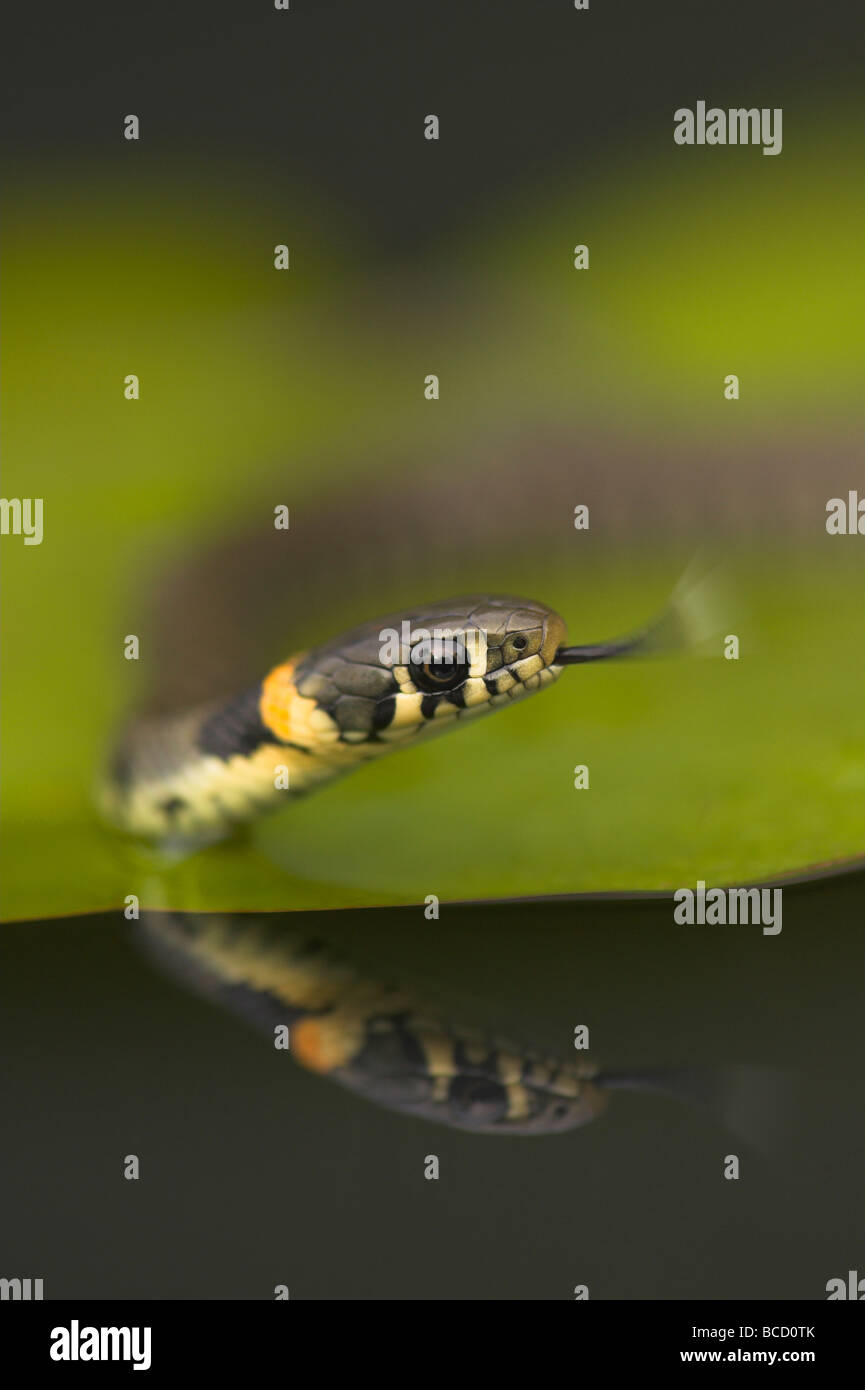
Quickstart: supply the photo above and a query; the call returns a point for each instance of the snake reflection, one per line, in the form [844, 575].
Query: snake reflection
[374, 1038]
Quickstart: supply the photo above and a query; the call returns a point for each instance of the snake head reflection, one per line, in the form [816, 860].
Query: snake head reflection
[469, 1081]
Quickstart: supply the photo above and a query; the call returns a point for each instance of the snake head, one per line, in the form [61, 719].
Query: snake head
[191, 778]
[429, 668]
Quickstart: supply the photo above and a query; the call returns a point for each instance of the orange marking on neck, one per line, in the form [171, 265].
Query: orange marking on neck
[278, 695]
[321, 1045]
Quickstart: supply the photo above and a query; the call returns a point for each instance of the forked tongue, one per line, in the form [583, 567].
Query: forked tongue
[762, 1105]
[694, 614]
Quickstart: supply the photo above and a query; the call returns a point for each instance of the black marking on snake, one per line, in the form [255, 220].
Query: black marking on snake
[530, 1061]
[461, 1057]
[383, 712]
[394, 1052]
[236, 727]
[429, 705]
[121, 767]
[471, 1094]
[172, 805]
[261, 1005]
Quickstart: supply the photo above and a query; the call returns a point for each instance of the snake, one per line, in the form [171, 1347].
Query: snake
[200, 773]
[205, 771]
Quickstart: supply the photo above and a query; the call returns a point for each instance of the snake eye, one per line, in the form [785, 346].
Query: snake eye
[440, 664]
[440, 672]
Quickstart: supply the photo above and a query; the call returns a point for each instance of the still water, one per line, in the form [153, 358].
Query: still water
[255, 1172]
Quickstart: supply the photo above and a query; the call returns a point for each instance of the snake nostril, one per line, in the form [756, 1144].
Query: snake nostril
[520, 643]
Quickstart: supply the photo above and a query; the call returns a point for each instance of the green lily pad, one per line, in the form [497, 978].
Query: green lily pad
[723, 770]
[251, 386]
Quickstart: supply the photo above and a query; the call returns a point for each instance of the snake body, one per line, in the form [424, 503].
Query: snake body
[321, 713]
